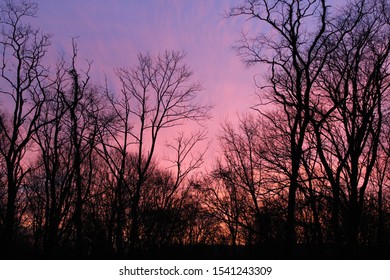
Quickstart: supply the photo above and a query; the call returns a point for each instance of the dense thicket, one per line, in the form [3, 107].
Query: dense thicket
[303, 174]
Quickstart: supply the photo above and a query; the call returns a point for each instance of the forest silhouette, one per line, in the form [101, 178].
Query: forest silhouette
[304, 173]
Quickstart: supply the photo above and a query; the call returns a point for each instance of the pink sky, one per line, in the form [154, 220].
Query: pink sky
[112, 32]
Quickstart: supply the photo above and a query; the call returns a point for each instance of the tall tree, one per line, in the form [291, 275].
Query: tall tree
[348, 125]
[47, 186]
[23, 80]
[163, 95]
[242, 167]
[84, 106]
[295, 50]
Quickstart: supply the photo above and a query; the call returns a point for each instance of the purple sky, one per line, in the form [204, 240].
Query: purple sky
[112, 32]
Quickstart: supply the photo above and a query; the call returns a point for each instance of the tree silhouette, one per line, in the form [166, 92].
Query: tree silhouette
[307, 47]
[81, 175]
[348, 127]
[24, 85]
[164, 96]
[296, 56]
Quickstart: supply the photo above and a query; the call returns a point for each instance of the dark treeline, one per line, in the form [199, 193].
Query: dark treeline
[305, 173]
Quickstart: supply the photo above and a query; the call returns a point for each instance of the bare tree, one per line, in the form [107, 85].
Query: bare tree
[354, 86]
[162, 96]
[175, 199]
[226, 204]
[185, 160]
[242, 166]
[64, 170]
[114, 138]
[295, 49]
[23, 85]
[83, 102]
[380, 179]
[47, 186]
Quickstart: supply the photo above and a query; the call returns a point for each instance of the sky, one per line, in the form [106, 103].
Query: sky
[112, 32]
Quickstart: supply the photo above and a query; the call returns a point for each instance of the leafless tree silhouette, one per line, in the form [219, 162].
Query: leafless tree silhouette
[23, 85]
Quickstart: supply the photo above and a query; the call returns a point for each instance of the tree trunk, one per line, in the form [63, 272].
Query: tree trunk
[134, 231]
[120, 220]
[9, 223]
[290, 237]
[335, 216]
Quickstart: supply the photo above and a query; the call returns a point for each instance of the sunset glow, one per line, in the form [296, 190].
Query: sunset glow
[170, 129]
[112, 33]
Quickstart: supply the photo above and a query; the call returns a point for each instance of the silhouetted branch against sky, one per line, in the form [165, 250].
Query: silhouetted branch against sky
[105, 126]
[112, 33]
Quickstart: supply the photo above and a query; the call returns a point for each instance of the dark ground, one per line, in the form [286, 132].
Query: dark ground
[272, 252]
